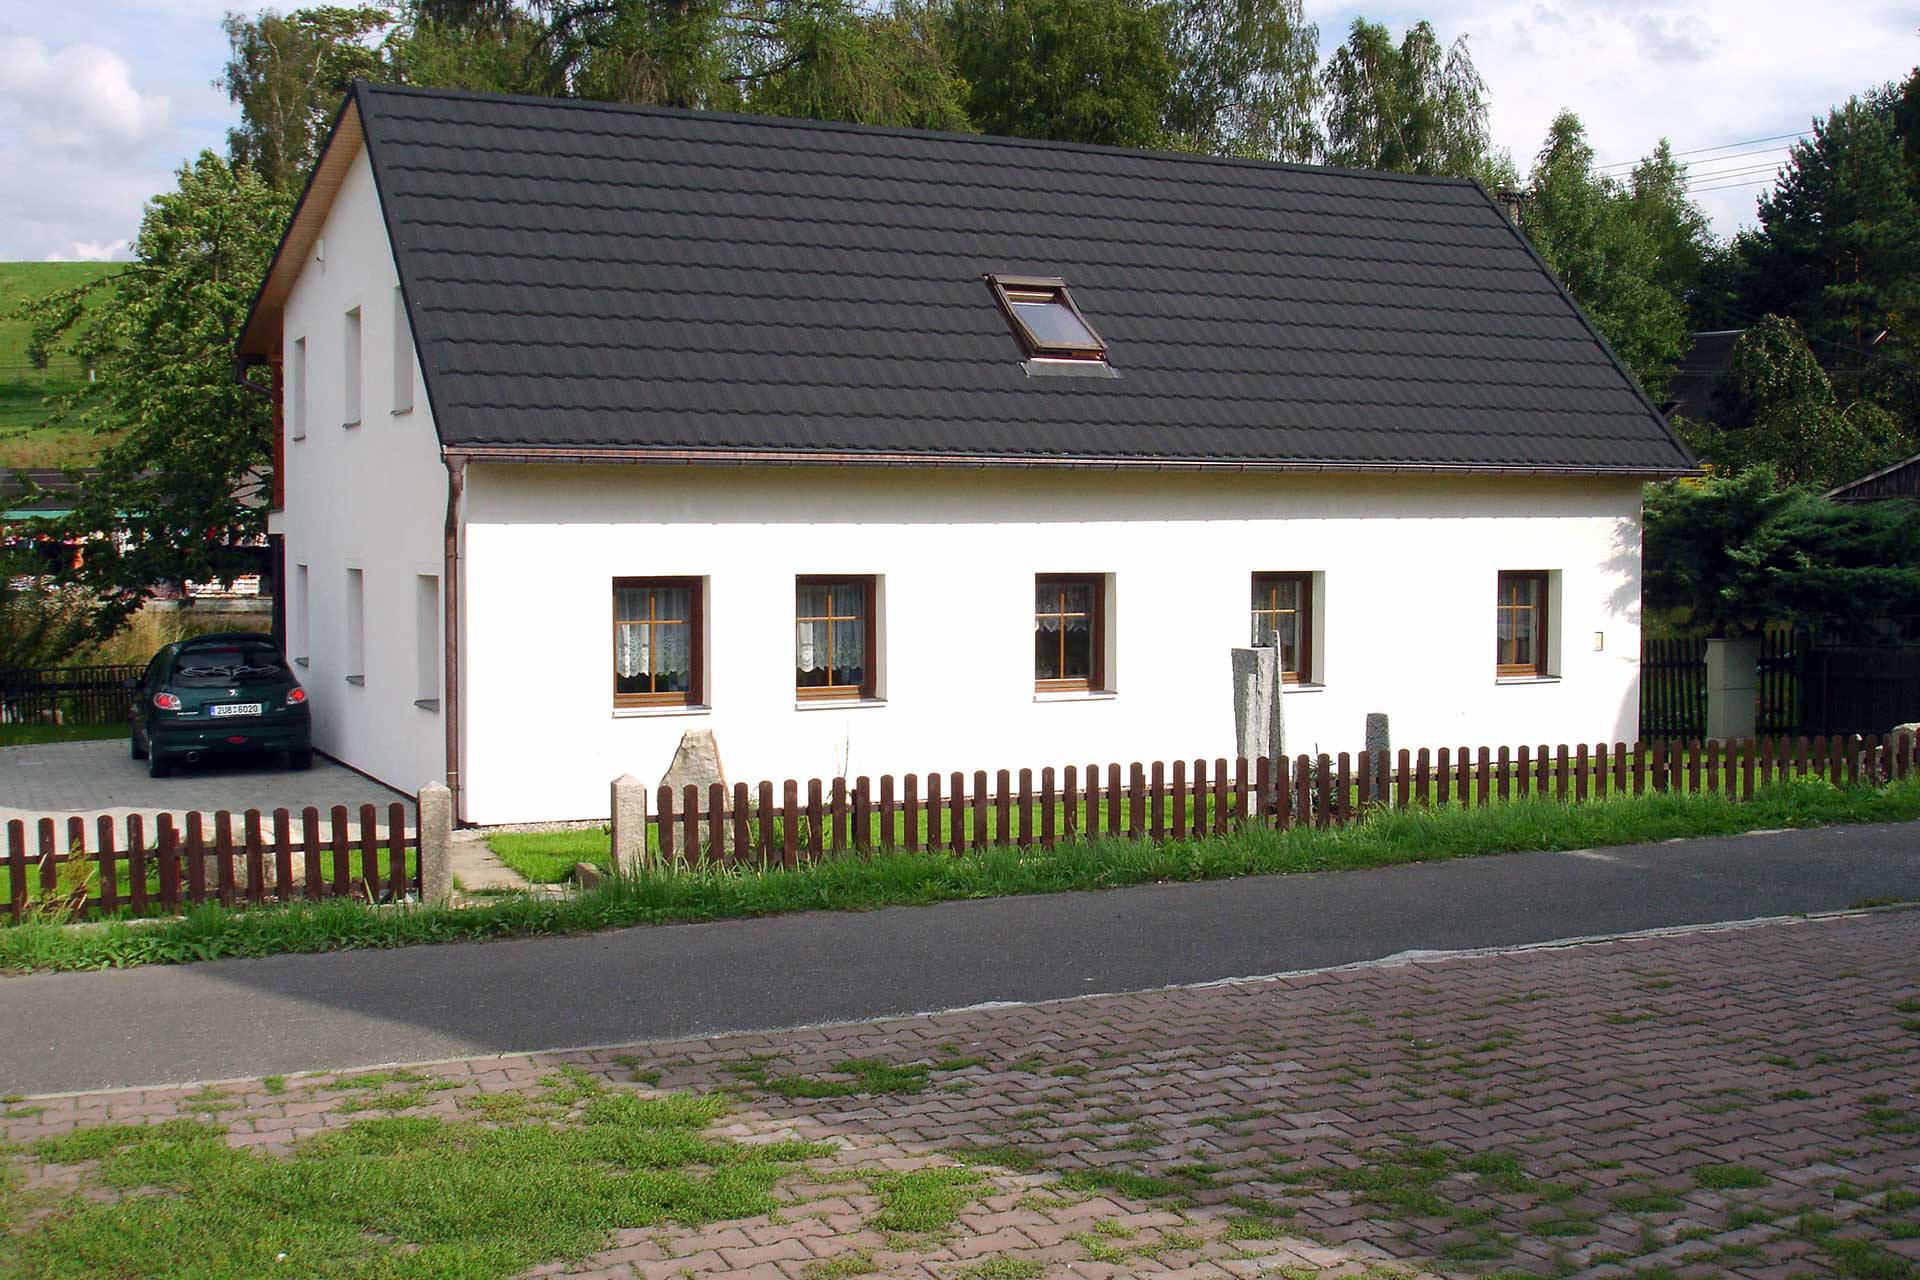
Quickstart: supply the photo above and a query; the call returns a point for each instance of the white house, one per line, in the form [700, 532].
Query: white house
[880, 451]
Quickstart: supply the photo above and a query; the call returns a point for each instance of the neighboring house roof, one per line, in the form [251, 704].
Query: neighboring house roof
[36, 492]
[594, 279]
[1699, 374]
[1901, 480]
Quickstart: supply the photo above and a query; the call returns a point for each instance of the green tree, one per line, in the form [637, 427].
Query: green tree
[1781, 412]
[891, 68]
[183, 487]
[1735, 552]
[1248, 79]
[1837, 250]
[42, 624]
[488, 52]
[1414, 107]
[287, 74]
[1098, 71]
[1625, 251]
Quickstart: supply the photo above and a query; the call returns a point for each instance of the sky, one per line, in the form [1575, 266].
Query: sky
[101, 102]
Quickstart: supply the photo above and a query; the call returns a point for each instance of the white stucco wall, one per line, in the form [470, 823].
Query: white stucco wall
[1405, 616]
[369, 497]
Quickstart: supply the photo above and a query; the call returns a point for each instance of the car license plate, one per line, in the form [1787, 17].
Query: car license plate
[235, 709]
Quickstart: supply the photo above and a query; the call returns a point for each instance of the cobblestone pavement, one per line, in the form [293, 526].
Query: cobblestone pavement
[63, 779]
[1733, 1102]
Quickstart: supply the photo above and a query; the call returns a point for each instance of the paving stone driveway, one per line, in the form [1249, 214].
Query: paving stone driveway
[1737, 1102]
[61, 779]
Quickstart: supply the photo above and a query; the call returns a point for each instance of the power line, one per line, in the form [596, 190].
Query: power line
[1730, 186]
[1700, 151]
[1741, 171]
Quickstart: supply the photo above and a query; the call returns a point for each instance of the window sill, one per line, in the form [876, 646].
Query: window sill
[647, 713]
[299, 439]
[301, 662]
[1075, 695]
[836, 704]
[1042, 367]
[357, 680]
[345, 425]
[428, 704]
[399, 413]
[1526, 679]
[1299, 687]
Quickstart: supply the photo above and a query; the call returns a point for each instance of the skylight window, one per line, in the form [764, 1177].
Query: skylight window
[1045, 319]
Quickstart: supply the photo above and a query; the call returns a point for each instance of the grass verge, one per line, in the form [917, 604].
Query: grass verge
[854, 883]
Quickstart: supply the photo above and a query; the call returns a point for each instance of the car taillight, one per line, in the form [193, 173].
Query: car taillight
[167, 701]
[296, 696]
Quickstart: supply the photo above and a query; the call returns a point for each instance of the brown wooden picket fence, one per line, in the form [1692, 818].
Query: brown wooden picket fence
[1175, 801]
[235, 860]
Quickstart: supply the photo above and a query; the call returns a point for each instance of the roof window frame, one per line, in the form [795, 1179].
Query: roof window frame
[1004, 285]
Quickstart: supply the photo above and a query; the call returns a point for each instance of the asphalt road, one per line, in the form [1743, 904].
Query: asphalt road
[233, 1018]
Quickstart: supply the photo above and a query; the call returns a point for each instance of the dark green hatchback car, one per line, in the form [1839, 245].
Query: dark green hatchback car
[221, 694]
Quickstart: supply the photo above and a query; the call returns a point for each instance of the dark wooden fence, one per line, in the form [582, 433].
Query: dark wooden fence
[244, 860]
[1673, 687]
[1159, 802]
[1853, 688]
[67, 695]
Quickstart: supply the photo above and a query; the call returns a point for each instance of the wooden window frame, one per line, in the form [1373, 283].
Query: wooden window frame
[1004, 286]
[864, 691]
[1543, 611]
[1305, 614]
[695, 694]
[1096, 679]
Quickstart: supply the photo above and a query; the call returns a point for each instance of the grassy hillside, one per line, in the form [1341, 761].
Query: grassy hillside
[24, 389]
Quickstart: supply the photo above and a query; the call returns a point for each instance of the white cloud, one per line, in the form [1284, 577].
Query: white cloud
[1701, 73]
[79, 96]
[93, 251]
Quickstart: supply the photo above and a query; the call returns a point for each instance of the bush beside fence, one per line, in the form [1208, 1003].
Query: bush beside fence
[1162, 802]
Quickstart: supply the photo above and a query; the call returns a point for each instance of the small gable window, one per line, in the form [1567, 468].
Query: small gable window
[1045, 319]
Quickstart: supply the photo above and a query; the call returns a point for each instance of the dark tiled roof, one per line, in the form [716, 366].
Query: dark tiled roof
[587, 277]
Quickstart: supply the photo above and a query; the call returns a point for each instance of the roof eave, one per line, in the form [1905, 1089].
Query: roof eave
[804, 458]
[260, 335]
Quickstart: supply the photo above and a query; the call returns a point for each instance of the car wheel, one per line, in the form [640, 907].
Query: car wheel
[139, 752]
[300, 759]
[158, 766]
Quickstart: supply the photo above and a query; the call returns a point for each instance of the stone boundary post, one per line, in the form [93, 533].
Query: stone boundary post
[436, 845]
[629, 824]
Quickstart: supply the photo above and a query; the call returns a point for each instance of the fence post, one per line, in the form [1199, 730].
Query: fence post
[435, 821]
[629, 796]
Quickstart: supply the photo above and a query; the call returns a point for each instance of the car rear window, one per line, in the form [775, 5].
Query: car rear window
[229, 664]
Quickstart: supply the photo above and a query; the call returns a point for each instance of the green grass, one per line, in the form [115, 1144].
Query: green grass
[123, 876]
[23, 389]
[399, 1197]
[33, 735]
[548, 857]
[852, 883]
[924, 1199]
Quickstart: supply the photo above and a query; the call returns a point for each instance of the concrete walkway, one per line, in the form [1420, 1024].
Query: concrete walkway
[305, 1012]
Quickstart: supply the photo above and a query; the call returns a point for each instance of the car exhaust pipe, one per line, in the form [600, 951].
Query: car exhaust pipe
[193, 757]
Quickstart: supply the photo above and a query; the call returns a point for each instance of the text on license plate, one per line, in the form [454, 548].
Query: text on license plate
[235, 709]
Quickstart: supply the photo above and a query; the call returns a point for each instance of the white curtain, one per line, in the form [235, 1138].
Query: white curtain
[641, 648]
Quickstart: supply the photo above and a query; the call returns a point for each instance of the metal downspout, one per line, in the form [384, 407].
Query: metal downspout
[450, 580]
